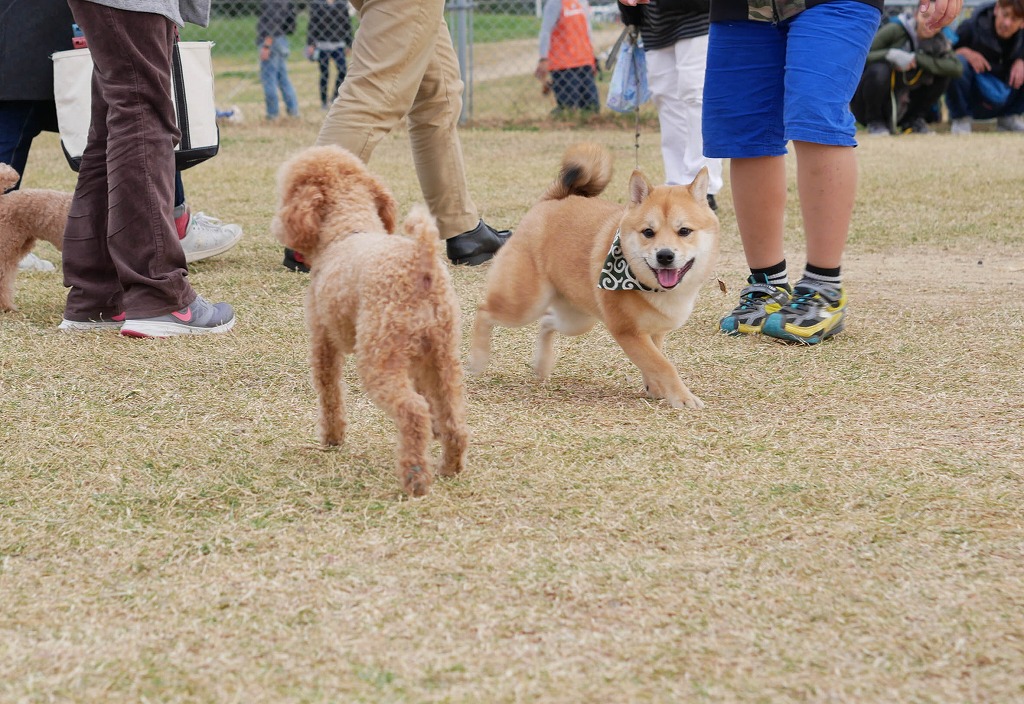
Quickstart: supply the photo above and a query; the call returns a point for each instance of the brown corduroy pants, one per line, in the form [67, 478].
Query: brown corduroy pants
[121, 249]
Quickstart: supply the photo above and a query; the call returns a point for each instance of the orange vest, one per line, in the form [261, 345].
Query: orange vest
[570, 45]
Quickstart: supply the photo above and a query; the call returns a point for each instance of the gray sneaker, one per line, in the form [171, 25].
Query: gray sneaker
[98, 323]
[199, 318]
[1010, 123]
[960, 125]
[31, 262]
[207, 237]
[757, 301]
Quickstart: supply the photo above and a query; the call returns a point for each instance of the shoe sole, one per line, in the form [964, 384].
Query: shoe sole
[773, 327]
[160, 329]
[199, 256]
[76, 326]
[475, 260]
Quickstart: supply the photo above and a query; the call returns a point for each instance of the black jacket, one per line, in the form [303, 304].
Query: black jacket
[31, 30]
[329, 22]
[978, 32]
[277, 18]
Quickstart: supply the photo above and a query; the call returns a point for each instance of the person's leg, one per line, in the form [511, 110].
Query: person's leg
[872, 101]
[268, 78]
[923, 101]
[339, 64]
[958, 94]
[561, 88]
[676, 78]
[126, 242]
[589, 97]
[323, 76]
[20, 123]
[291, 99]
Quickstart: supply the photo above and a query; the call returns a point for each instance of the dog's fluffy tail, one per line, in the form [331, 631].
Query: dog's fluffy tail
[421, 227]
[8, 177]
[586, 171]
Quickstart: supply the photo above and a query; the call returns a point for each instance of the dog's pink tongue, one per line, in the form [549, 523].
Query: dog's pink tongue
[669, 277]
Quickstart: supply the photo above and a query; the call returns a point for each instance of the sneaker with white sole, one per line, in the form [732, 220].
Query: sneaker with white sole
[207, 237]
[114, 322]
[198, 318]
[30, 262]
[1010, 123]
[960, 125]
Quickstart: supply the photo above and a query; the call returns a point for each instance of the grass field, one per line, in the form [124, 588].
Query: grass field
[840, 523]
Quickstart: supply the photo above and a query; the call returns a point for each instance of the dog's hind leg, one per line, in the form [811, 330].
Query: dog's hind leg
[388, 382]
[511, 307]
[560, 318]
[443, 387]
[326, 361]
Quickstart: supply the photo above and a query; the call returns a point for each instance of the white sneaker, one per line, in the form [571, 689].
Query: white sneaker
[1010, 123]
[960, 125]
[206, 237]
[33, 263]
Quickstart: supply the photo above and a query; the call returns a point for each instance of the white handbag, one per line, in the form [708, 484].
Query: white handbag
[192, 93]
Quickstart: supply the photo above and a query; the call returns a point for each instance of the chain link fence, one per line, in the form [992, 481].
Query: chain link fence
[496, 42]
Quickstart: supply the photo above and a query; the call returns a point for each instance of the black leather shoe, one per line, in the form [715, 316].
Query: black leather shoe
[712, 203]
[294, 261]
[476, 246]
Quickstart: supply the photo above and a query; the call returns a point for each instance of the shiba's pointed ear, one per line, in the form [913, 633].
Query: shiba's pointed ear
[387, 208]
[699, 188]
[639, 187]
[297, 223]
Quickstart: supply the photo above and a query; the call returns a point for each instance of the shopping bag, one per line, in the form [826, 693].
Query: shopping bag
[191, 91]
[628, 89]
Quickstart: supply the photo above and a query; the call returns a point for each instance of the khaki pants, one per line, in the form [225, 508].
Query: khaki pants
[121, 249]
[403, 66]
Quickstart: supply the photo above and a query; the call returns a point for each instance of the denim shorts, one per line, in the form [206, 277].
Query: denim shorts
[767, 84]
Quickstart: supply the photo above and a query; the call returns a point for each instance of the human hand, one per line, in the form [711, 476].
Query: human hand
[978, 62]
[309, 51]
[264, 53]
[541, 72]
[1017, 74]
[940, 13]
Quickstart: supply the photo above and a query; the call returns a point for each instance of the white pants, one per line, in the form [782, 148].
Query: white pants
[675, 75]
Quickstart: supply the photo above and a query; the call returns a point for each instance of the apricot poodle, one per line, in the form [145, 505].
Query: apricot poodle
[385, 297]
[26, 216]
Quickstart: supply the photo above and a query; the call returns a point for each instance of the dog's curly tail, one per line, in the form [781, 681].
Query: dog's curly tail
[586, 171]
[8, 177]
[421, 227]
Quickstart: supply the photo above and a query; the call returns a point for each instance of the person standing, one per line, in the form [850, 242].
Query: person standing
[276, 22]
[567, 55]
[328, 36]
[778, 72]
[123, 264]
[675, 37]
[403, 67]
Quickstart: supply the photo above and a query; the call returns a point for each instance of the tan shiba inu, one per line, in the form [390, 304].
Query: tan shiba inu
[575, 259]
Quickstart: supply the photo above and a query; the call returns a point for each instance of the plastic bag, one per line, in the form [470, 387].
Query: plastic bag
[628, 89]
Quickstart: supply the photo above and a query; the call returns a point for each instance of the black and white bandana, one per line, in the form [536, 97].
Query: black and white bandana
[616, 274]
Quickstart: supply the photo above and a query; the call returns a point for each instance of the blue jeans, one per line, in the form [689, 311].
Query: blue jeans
[575, 88]
[338, 56]
[21, 121]
[274, 76]
[964, 100]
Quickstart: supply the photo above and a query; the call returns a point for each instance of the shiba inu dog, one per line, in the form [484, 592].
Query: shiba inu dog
[576, 259]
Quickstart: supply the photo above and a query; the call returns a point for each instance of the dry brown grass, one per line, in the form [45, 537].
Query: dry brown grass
[841, 523]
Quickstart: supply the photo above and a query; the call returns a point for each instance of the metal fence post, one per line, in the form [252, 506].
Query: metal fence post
[462, 26]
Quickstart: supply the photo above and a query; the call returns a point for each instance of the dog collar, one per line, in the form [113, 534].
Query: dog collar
[616, 274]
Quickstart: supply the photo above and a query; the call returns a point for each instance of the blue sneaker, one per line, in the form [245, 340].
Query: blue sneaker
[198, 318]
[816, 312]
[757, 301]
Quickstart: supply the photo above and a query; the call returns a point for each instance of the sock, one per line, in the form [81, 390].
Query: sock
[181, 218]
[821, 275]
[776, 275]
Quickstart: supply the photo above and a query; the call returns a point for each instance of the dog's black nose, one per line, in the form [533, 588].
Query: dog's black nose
[666, 256]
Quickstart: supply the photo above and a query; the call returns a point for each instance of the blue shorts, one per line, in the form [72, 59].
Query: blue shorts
[767, 84]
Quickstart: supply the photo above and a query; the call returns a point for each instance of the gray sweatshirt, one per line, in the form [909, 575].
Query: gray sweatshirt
[177, 11]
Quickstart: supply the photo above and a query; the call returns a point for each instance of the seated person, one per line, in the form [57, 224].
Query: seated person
[990, 46]
[908, 69]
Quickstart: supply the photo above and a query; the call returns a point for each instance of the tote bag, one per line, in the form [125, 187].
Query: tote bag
[191, 90]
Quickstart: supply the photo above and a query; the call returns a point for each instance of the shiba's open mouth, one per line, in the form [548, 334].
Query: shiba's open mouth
[670, 278]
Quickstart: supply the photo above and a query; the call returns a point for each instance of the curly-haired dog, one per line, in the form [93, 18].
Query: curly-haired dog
[577, 259]
[26, 216]
[385, 297]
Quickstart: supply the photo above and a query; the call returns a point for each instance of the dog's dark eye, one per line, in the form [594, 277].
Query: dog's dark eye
[647, 232]
[685, 232]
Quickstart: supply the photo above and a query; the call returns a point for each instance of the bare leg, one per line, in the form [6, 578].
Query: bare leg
[759, 197]
[827, 183]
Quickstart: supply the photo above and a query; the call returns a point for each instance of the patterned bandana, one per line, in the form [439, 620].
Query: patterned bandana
[616, 274]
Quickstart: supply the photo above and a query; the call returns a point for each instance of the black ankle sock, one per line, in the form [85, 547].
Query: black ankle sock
[822, 275]
[776, 275]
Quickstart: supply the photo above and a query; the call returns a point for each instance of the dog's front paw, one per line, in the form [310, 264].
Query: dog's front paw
[688, 400]
[416, 480]
[332, 438]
